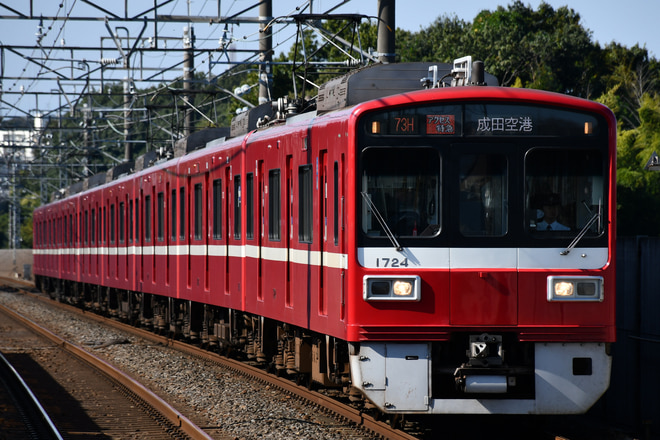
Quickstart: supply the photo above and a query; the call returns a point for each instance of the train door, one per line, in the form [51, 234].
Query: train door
[227, 215]
[322, 180]
[261, 182]
[206, 211]
[483, 269]
[139, 215]
[289, 230]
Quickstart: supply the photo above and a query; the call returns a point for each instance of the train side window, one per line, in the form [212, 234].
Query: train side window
[122, 222]
[274, 202]
[182, 213]
[483, 195]
[105, 223]
[147, 219]
[249, 208]
[92, 228]
[130, 221]
[237, 206]
[137, 220]
[161, 216]
[86, 227]
[305, 204]
[217, 209]
[198, 211]
[173, 215]
[112, 223]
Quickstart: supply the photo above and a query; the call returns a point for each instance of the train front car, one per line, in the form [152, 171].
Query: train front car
[484, 228]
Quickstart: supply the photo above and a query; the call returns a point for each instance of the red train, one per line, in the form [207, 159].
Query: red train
[448, 250]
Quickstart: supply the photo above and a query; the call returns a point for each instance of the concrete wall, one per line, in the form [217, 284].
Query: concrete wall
[15, 268]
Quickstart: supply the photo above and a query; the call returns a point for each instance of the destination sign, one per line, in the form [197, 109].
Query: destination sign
[481, 119]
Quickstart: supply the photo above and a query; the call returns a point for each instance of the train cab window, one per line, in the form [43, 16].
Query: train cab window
[483, 195]
[274, 202]
[198, 211]
[401, 192]
[565, 192]
[305, 204]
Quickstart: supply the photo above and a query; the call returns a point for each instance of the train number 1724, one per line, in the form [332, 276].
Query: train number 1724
[391, 262]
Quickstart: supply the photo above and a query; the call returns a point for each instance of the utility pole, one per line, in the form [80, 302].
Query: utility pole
[128, 123]
[386, 25]
[265, 50]
[188, 75]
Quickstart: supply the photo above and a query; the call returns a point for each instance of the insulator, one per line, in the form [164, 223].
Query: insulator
[109, 61]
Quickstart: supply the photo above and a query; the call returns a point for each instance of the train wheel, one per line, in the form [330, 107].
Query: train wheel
[396, 421]
[305, 380]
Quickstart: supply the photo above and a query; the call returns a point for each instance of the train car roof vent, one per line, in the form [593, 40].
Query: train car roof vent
[146, 160]
[250, 120]
[119, 170]
[94, 181]
[74, 188]
[198, 140]
[372, 82]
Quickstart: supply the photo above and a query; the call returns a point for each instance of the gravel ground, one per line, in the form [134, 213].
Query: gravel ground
[209, 395]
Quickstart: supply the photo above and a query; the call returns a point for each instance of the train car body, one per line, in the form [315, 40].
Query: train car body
[448, 250]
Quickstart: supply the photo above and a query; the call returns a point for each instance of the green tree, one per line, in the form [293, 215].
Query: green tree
[639, 189]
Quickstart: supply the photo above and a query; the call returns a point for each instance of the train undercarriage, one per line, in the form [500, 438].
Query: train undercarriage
[309, 358]
[476, 373]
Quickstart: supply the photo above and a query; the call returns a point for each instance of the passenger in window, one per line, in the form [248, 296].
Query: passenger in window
[551, 209]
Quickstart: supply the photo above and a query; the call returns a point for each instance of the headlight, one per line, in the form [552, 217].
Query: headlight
[391, 288]
[575, 288]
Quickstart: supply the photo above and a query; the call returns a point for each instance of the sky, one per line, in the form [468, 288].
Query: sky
[628, 23]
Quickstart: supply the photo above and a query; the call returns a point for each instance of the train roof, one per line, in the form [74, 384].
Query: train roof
[369, 83]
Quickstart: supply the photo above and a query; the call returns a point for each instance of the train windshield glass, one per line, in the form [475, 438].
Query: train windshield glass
[483, 195]
[401, 192]
[565, 191]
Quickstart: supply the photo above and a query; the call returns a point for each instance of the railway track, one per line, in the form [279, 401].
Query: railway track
[23, 416]
[452, 427]
[84, 395]
[342, 412]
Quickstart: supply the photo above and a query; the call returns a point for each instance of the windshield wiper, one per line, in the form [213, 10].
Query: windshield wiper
[584, 230]
[381, 221]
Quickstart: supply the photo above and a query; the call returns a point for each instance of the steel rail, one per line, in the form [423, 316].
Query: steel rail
[170, 413]
[18, 384]
[379, 428]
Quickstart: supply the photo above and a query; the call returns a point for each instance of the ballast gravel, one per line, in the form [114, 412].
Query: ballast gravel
[224, 404]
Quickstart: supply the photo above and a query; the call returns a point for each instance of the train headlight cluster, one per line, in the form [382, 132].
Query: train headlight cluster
[389, 288]
[575, 288]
